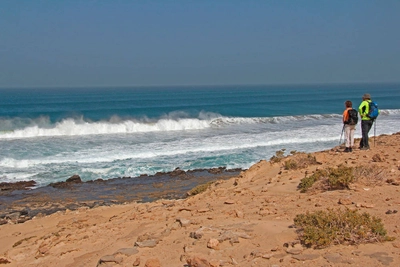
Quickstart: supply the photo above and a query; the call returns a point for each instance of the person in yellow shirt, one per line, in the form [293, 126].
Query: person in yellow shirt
[366, 122]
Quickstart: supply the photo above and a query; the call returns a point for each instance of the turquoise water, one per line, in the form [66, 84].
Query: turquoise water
[50, 134]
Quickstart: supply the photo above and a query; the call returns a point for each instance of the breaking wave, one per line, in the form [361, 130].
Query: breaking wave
[42, 127]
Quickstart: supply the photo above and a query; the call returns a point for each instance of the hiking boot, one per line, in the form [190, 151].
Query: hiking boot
[365, 148]
[347, 149]
[351, 149]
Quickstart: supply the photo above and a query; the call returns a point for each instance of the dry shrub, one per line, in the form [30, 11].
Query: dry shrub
[299, 161]
[279, 155]
[370, 175]
[328, 179]
[321, 229]
[200, 188]
[341, 178]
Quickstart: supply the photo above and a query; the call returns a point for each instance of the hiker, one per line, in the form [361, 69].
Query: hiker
[350, 119]
[366, 121]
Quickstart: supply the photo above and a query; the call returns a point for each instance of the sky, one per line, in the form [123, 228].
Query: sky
[49, 43]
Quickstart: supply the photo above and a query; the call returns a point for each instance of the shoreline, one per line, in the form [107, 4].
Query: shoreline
[20, 202]
[243, 221]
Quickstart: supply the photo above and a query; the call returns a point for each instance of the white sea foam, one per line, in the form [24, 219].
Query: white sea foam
[41, 127]
[71, 127]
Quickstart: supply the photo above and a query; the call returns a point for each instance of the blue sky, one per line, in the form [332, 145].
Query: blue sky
[134, 43]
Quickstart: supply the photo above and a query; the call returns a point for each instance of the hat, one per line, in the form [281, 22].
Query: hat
[366, 96]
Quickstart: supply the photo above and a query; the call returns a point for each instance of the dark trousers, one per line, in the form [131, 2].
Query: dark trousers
[365, 128]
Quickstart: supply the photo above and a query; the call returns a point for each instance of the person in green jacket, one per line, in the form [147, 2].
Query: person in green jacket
[366, 122]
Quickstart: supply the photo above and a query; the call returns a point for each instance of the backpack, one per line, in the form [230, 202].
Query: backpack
[373, 110]
[352, 117]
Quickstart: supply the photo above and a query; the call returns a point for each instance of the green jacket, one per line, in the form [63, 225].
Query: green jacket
[363, 109]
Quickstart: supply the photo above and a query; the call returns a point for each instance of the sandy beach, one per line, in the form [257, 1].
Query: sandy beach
[243, 221]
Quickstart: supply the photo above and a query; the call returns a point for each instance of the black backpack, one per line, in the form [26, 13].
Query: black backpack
[353, 117]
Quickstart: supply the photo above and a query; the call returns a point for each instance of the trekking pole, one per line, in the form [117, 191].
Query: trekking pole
[374, 131]
[340, 141]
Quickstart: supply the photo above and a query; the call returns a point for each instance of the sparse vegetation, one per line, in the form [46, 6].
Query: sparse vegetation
[308, 181]
[320, 229]
[299, 160]
[342, 176]
[279, 155]
[290, 165]
[200, 188]
[370, 175]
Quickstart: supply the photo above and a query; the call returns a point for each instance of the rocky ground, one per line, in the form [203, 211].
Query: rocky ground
[244, 221]
[21, 201]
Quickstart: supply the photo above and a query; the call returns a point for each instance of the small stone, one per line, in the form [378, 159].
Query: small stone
[203, 210]
[128, 251]
[153, 263]
[183, 222]
[396, 244]
[264, 189]
[345, 201]
[306, 257]
[4, 261]
[197, 262]
[147, 243]
[275, 248]
[267, 256]
[333, 257]
[213, 244]
[110, 258]
[367, 205]
[239, 214]
[294, 251]
[136, 262]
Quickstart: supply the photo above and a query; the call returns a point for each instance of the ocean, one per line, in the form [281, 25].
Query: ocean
[50, 134]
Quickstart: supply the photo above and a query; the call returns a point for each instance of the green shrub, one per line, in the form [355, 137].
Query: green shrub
[299, 160]
[279, 155]
[308, 181]
[333, 178]
[321, 229]
[200, 188]
[290, 165]
[340, 177]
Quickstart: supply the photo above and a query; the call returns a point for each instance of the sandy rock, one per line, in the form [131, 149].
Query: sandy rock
[306, 257]
[267, 256]
[127, 251]
[345, 201]
[183, 222]
[365, 205]
[198, 262]
[239, 213]
[378, 158]
[136, 262]
[152, 263]
[382, 257]
[110, 259]
[151, 243]
[232, 236]
[4, 261]
[295, 250]
[213, 244]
